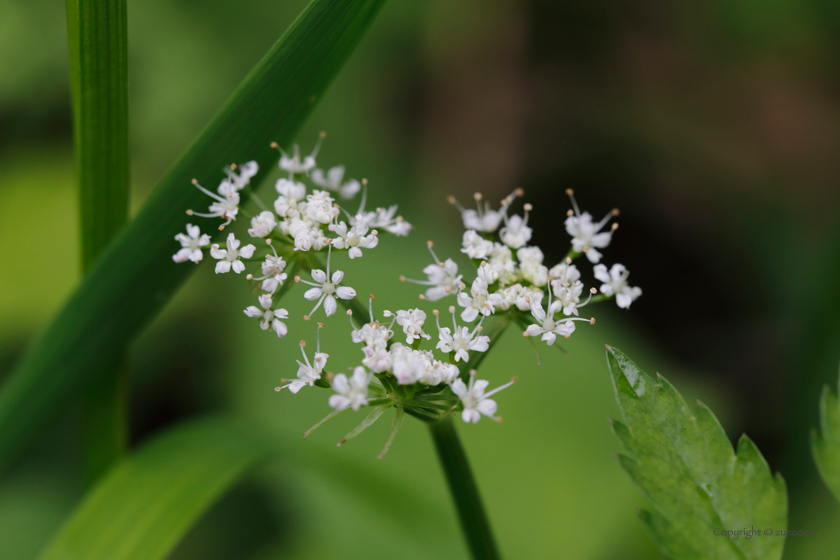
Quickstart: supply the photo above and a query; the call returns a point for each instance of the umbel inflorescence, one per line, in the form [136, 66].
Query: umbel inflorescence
[423, 369]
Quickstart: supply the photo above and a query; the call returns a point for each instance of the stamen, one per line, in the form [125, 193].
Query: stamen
[305, 359]
[370, 308]
[429, 244]
[205, 191]
[571, 194]
[318, 338]
[455, 203]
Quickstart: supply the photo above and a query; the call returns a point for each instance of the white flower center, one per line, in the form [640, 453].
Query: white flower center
[328, 288]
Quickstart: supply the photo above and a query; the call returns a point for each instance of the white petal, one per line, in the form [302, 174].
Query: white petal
[247, 251]
[339, 402]
[253, 311]
[487, 407]
[469, 314]
[222, 267]
[312, 294]
[340, 384]
[280, 328]
[238, 266]
[345, 292]
[470, 415]
[319, 276]
[329, 305]
[182, 255]
[296, 386]
[534, 330]
[337, 277]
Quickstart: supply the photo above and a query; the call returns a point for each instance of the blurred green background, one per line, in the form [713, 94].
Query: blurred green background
[714, 126]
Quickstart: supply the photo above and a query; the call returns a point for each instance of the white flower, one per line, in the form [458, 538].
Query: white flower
[191, 245]
[531, 267]
[516, 232]
[351, 393]
[615, 283]
[412, 324]
[563, 273]
[568, 297]
[246, 172]
[332, 180]
[475, 401]
[230, 258]
[530, 256]
[460, 340]
[478, 300]
[547, 326]
[291, 194]
[484, 218]
[320, 207]
[353, 239]
[396, 225]
[326, 288]
[377, 358]
[308, 373]
[269, 318]
[262, 224]
[475, 246]
[409, 365]
[373, 334]
[519, 296]
[226, 205]
[273, 275]
[500, 267]
[586, 236]
[443, 277]
[293, 164]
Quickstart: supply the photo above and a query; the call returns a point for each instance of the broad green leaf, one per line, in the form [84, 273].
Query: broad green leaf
[697, 486]
[147, 502]
[136, 276]
[98, 48]
[826, 445]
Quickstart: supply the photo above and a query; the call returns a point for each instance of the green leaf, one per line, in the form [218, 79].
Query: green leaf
[98, 48]
[147, 502]
[685, 465]
[135, 277]
[826, 446]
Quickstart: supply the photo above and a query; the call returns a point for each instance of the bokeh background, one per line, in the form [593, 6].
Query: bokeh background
[714, 126]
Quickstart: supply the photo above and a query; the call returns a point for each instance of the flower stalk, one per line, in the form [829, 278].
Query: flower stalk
[464, 491]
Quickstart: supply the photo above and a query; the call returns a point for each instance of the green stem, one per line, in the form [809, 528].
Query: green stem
[464, 490]
[97, 35]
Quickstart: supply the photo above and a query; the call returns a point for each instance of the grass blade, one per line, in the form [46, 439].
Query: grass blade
[98, 48]
[135, 277]
[142, 507]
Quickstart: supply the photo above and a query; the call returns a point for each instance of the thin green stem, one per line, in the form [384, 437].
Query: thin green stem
[98, 49]
[464, 490]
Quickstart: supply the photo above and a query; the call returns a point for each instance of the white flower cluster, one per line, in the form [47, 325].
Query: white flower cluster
[306, 219]
[510, 279]
[511, 275]
[393, 373]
